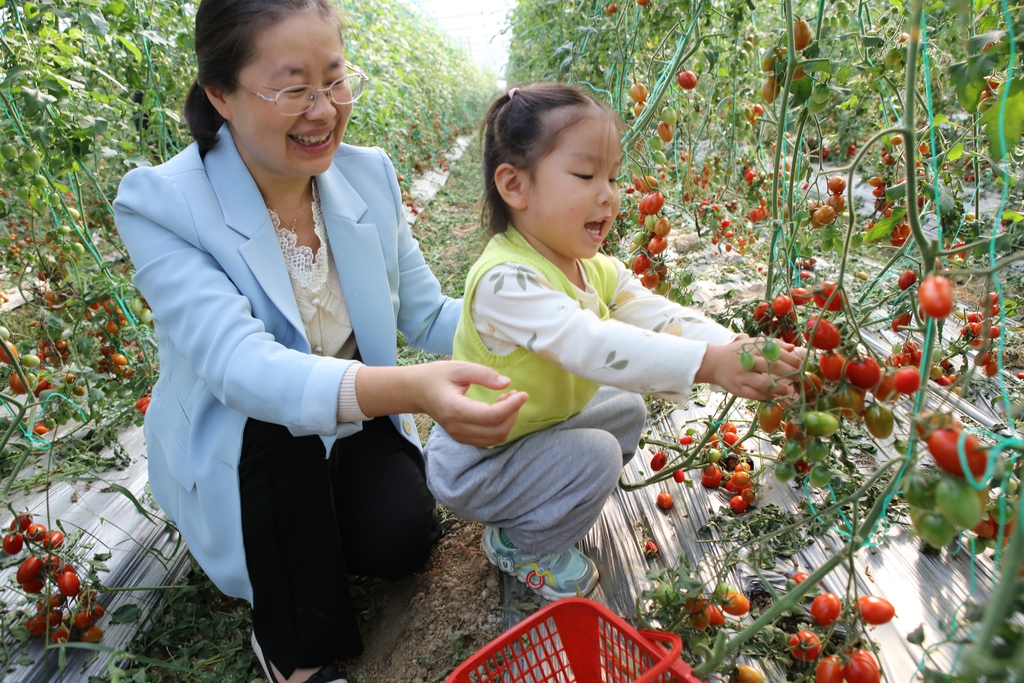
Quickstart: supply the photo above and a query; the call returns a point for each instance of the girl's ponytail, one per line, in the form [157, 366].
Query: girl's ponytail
[202, 118]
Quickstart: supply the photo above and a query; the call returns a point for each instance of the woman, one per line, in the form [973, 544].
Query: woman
[279, 266]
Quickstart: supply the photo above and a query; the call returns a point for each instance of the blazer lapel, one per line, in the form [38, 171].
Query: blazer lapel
[245, 212]
[357, 253]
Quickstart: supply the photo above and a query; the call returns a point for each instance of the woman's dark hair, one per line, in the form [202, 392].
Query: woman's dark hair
[522, 129]
[225, 41]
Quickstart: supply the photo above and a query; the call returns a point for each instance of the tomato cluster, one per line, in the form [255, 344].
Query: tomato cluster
[68, 612]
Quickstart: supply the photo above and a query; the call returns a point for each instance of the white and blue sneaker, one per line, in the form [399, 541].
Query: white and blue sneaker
[552, 575]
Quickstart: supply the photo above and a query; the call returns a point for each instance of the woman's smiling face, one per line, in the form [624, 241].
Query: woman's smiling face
[303, 49]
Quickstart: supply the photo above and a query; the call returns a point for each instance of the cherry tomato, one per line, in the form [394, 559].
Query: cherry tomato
[640, 264]
[658, 461]
[878, 420]
[54, 540]
[13, 543]
[738, 505]
[800, 577]
[679, 476]
[907, 279]
[665, 500]
[715, 616]
[863, 372]
[761, 312]
[820, 423]
[826, 609]
[829, 670]
[735, 603]
[801, 295]
[831, 366]
[22, 523]
[943, 446]
[782, 305]
[36, 533]
[711, 477]
[826, 290]
[83, 620]
[875, 610]
[59, 634]
[685, 440]
[805, 646]
[836, 184]
[822, 334]
[907, 380]
[769, 417]
[936, 296]
[69, 584]
[801, 34]
[687, 80]
[29, 570]
[862, 668]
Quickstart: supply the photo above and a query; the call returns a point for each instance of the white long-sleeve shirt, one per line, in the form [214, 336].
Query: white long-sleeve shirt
[649, 345]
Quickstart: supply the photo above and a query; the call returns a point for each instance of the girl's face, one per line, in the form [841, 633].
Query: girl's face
[572, 198]
[303, 49]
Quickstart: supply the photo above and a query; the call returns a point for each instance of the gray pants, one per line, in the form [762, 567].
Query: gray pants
[546, 489]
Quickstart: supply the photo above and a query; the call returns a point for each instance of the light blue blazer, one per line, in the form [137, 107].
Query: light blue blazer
[231, 341]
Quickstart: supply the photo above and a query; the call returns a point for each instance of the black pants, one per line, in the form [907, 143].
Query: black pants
[309, 521]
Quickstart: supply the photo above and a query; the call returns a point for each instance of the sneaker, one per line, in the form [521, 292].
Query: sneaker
[329, 673]
[553, 575]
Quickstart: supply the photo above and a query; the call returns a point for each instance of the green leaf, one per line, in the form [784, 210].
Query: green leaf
[955, 152]
[130, 46]
[941, 118]
[36, 100]
[883, 228]
[970, 78]
[896, 191]
[94, 23]
[125, 613]
[1012, 216]
[1012, 114]
[871, 41]
[947, 202]
[802, 89]
[916, 636]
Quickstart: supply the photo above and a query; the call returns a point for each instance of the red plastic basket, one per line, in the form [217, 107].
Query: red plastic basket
[576, 639]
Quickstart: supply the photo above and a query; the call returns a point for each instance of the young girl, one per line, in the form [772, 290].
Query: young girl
[572, 329]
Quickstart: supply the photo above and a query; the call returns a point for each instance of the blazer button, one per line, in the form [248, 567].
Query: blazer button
[407, 426]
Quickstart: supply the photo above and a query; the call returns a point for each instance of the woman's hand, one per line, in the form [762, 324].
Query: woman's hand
[438, 389]
[723, 365]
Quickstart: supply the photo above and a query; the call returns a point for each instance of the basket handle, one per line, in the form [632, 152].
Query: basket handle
[667, 661]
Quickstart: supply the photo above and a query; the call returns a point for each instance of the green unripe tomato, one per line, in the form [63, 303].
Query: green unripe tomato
[820, 476]
[649, 223]
[893, 58]
[655, 143]
[793, 451]
[714, 455]
[5, 333]
[821, 424]
[771, 351]
[12, 167]
[785, 471]
[135, 304]
[40, 182]
[817, 451]
[73, 212]
[146, 316]
[23, 193]
[878, 420]
[668, 115]
[32, 160]
[933, 528]
[78, 248]
[747, 360]
[30, 360]
[659, 158]
[958, 503]
[9, 151]
[919, 491]
[663, 287]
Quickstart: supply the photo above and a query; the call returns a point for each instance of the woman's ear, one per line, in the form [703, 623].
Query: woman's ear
[513, 185]
[216, 95]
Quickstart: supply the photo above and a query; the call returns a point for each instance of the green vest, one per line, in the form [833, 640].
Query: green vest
[555, 394]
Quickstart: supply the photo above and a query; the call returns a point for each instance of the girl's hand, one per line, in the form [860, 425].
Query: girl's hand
[468, 421]
[723, 366]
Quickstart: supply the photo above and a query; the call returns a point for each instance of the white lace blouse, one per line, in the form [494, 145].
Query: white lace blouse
[321, 303]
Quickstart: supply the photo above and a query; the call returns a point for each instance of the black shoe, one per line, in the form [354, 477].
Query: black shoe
[329, 673]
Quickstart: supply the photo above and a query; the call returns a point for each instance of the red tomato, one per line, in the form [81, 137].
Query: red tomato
[907, 380]
[36, 625]
[943, 446]
[936, 296]
[35, 533]
[826, 608]
[862, 668]
[769, 417]
[822, 334]
[836, 184]
[641, 263]
[652, 203]
[876, 610]
[664, 500]
[863, 372]
[829, 670]
[83, 620]
[907, 279]
[782, 305]
[738, 505]
[761, 312]
[715, 616]
[801, 295]
[69, 584]
[54, 540]
[805, 646]
[142, 405]
[800, 577]
[901, 321]
[687, 80]
[93, 634]
[831, 365]
[658, 461]
[22, 523]
[826, 290]
[13, 543]
[711, 477]
[657, 245]
[679, 476]
[685, 440]
[29, 570]
[59, 634]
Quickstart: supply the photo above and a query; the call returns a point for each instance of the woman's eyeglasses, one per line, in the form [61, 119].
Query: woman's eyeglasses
[298, 99]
